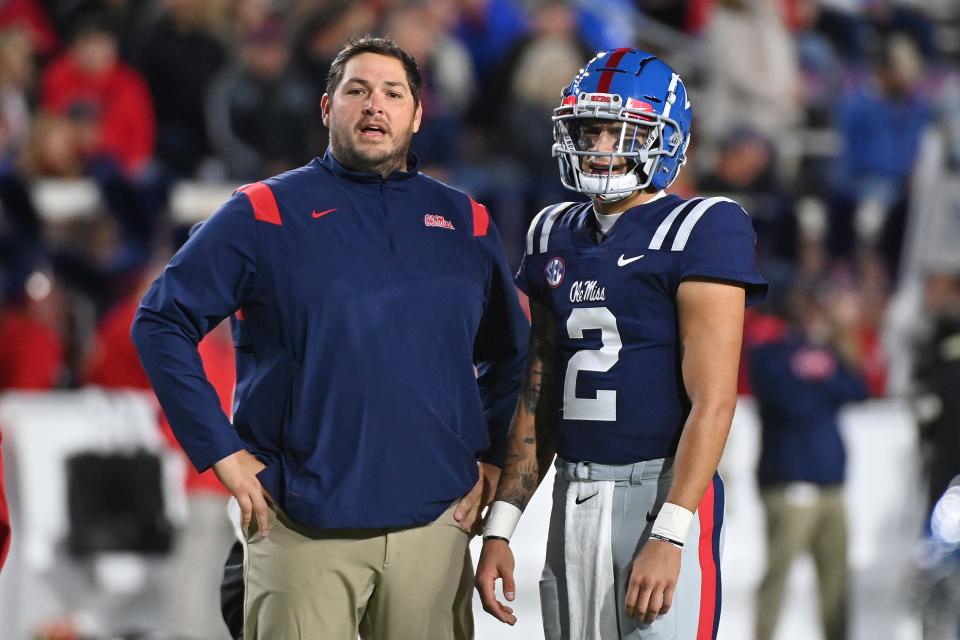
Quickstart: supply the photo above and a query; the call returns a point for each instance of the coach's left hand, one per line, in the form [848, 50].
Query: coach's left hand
[653, 580]
[467, 512]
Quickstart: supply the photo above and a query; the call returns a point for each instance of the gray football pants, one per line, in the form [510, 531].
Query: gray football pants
[639, 492]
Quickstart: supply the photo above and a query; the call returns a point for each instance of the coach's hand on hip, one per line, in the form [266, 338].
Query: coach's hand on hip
[653, 580]
[468, 509]
[238, 473]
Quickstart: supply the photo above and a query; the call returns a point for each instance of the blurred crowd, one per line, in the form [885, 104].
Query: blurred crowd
[810, 112]
[813, 114]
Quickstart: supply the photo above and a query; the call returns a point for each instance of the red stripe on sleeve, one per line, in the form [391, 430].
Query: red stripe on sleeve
[481, 219]
[264, 203]
[607, 77]
[4, 519]
[708, 567]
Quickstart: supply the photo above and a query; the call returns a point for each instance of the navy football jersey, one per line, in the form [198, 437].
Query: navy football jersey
[622, 393]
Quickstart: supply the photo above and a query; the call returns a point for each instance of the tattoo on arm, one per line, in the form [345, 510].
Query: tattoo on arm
[546, 413]
[531, 447]
[532, 387]
[521, 481]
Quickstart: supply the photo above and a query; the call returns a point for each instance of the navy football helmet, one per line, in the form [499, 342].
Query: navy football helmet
[642, 104]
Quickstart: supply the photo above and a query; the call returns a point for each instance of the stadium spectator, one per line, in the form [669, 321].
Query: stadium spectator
[801, 381]
[871, 179]
[753, 76]
[179, 59]
[17, 73]
[260, 112]
[90, 79]
[30, 17]
[489, 28]
[746, 171]
[545, 58]
[821, 67]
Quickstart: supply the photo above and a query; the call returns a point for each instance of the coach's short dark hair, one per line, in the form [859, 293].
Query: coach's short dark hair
[380, 46]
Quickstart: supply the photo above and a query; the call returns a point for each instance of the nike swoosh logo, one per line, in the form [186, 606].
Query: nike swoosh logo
[320, 214]
[622, 261]
[579, 501]
[652, 516]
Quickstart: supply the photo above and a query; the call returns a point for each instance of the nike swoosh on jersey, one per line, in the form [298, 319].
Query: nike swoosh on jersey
[320, 214]
[579, 501]
[623, 261]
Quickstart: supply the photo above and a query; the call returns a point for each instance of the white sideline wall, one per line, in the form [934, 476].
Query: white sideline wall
[885, 503]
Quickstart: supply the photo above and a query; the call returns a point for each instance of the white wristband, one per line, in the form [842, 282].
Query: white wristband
[502, 520]
[672, 522]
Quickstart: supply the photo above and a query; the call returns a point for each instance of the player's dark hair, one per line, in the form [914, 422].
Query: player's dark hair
[380, 46]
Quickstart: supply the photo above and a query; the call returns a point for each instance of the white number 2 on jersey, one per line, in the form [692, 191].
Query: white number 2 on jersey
[604, 406]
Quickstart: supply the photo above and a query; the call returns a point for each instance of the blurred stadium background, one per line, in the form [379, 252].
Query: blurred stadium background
[124, 122]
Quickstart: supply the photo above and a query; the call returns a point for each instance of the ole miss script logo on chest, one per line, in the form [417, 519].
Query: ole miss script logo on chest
[433, 220]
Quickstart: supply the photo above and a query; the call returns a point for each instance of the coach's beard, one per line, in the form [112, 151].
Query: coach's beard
[353, 157]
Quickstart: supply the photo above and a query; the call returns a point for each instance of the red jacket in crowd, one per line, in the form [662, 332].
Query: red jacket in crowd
[118, 101]
[31, 352]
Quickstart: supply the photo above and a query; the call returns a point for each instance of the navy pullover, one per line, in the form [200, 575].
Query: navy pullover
[360, 307]
[800, 439]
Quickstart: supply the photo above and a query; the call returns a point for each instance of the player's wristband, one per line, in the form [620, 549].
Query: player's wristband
[672, 523]
[502, 521]
[657, 536]
[485, 538]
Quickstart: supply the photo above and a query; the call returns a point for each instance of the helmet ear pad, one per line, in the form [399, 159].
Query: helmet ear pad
[664, 173]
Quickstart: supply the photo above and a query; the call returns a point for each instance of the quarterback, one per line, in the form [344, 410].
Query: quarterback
[637, 300]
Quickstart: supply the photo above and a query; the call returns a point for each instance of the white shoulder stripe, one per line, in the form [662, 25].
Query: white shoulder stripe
[536, 221]
[548, 225]
[664, 227]
[533, 228]
[683, 233]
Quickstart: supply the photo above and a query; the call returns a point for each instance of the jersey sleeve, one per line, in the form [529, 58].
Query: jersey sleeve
[500, 348]
[520, 279]
[722, 244]
[206, 281]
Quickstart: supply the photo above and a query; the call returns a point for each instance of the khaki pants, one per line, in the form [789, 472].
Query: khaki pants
[800, 519]
[413, 583]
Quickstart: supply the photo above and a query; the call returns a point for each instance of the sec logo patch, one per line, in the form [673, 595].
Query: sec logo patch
[554, 272]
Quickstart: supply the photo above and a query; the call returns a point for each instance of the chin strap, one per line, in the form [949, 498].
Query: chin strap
[613, 197]
[630, 180]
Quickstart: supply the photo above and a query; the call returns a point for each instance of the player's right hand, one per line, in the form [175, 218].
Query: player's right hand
[496, 561]
[238, 473]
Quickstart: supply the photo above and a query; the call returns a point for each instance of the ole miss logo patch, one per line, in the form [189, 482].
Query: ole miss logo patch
[554, 272]
[433, 220]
